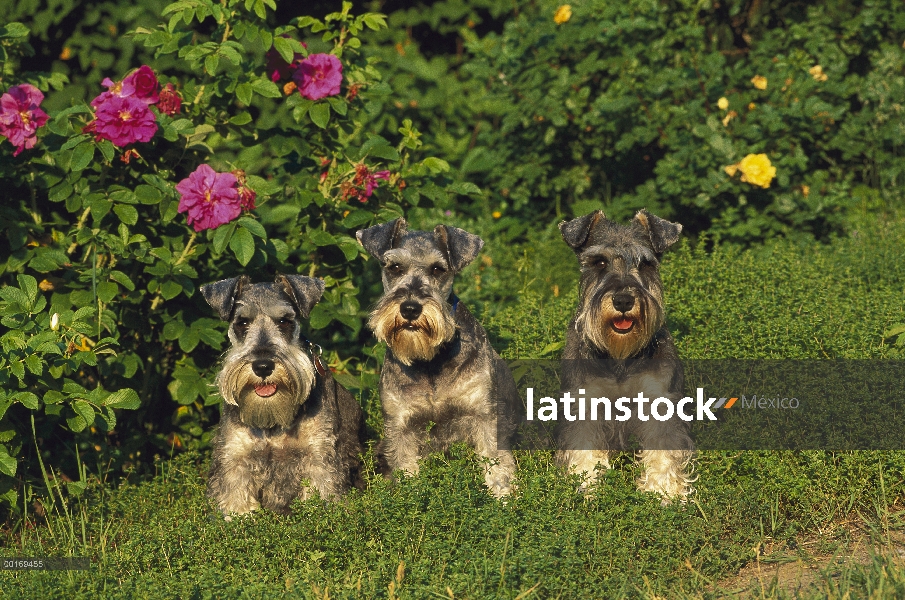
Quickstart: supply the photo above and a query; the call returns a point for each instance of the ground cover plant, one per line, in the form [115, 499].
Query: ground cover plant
[770, 130]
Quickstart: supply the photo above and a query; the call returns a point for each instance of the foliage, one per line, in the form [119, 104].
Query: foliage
[93, 232]
[620, 105]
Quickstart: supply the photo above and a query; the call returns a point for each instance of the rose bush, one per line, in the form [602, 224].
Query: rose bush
[191, 168]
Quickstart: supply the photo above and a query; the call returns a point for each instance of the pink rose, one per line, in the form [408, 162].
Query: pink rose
[20, 116]
[319, 76]
[124, 120]
[210, 199]
[141, 84]
[144, 85]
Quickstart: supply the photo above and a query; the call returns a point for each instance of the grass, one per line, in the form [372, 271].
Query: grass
[441, 535]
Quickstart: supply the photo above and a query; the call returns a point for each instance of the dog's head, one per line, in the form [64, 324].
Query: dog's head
[621, 293]
[266, 373]
[414, 317]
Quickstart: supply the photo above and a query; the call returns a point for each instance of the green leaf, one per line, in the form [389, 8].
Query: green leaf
[127, 214]
[284, 47]
[385, 152]
[349, 247]
[320, 317]
[148, 194]
[107, 149]
[372, 142]
[76, 423]
[188, 340]
[242, 245]
[320, 114]
[263, 186]
[29, 285]
[357, 217]
[106, 291]
[124, 398]
[437, 165]
[60, 192]
[211, 63]
[375, 21]
[14, 30]
[173, 329]
[319, 237]
[242, 118]
[243, 93]
[222, 236]
[84, 410]
[122, 279]
[82, 156]
[170, 289]
[338, 105]
[27, 399]
[253, 226]
[266, 88]
[7, 462]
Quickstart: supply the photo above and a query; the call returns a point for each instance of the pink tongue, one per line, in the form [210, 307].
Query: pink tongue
[623, 323]
[265, 391]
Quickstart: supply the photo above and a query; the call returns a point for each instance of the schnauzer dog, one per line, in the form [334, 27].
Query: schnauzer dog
[440, 373]
[618, 345]
[285, 419]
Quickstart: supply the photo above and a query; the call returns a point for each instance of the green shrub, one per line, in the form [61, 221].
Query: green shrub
[93, 233]
[621, 106]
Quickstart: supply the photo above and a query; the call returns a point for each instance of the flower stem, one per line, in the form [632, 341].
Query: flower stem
[78, 227]
[185, 252]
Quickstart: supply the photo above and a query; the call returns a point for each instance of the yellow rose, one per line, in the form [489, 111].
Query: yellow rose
[563, 14]
[817, 73]
[757, 170]
[723, 103]
[759, 81]
[496, 214]
[731, 170]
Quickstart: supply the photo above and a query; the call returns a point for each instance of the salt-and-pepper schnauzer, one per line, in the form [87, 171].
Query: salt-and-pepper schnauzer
[618, 345]
[287, 426]
[441, 381]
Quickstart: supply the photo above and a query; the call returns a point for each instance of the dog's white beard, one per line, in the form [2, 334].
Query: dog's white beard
[430, 331]
[595, 321]
[293, 376]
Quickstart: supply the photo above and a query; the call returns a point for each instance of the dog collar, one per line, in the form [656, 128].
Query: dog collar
[315, 351]
[454, 300]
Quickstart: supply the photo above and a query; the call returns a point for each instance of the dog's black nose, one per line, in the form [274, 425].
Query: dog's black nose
[262, 367]
[410, 310]
[623, 302]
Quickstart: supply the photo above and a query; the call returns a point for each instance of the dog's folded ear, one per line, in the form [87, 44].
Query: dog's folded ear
[459, 246]
[380, 238]
[576, 232]
[221, 295]
[304, 291]
[663, 233]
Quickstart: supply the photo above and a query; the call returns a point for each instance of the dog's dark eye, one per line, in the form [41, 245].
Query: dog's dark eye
[394, 268]
[241, 325]
[437, 270]
[285, 322]
[600, 263]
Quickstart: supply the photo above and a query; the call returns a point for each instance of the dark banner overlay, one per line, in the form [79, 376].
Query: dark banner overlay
[716, 404]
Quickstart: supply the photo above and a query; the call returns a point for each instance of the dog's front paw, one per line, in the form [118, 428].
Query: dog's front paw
[499, 483]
